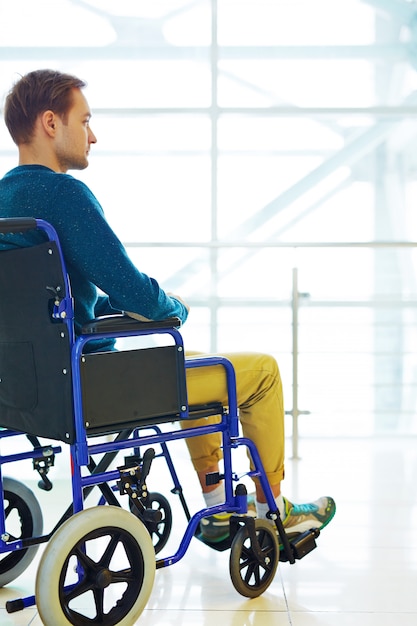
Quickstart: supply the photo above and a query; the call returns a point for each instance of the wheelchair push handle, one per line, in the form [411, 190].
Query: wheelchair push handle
[23, 224]
[17, 224]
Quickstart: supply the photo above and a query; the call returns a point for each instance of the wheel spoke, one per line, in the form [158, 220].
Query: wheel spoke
[251, 571]
[86, 562]
[123, 576]
[110, 550]
[99, 602]
[77, 590]
[8, 509]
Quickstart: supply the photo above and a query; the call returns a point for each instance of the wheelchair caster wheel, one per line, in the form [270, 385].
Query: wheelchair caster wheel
[23, 520]
[159, 524]
[254, 560]
[98, 568]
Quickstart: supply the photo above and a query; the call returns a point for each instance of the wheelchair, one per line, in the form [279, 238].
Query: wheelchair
[103, 405]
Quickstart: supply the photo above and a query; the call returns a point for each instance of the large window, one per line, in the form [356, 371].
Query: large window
[230, 129]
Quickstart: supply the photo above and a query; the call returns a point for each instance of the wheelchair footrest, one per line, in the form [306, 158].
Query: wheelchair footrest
[301, 545]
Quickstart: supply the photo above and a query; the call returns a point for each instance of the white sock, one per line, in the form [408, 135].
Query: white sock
[214, 497]
[281, 505]
[262, 508]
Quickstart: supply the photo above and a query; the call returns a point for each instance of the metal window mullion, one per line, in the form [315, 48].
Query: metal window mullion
[214, 250]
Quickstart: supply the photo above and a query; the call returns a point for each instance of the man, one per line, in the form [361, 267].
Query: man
[48, 118]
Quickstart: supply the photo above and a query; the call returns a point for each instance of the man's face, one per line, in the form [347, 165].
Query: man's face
[74, 135]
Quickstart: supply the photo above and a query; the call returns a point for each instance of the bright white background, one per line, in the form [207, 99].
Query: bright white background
[257, 122]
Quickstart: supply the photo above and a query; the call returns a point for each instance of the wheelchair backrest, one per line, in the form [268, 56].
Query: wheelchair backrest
[39, 379]
[35, 364]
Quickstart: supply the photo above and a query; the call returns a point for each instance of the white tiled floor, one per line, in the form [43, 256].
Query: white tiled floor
[363, 573]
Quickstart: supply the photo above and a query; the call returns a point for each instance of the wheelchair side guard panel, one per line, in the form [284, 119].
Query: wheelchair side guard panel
[107, 381]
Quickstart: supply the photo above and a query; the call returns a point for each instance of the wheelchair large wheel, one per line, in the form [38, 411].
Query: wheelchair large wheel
[23, 518]
[98, 568]
[159, 530]
[251, 575]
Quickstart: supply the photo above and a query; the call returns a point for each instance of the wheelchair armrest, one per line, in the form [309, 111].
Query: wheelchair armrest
[118, 322]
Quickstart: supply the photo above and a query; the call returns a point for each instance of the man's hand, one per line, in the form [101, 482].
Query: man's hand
[173, 295]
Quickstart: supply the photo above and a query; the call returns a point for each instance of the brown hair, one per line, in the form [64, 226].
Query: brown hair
[35, 93]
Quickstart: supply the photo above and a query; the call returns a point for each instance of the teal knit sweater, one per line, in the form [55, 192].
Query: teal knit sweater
[95, 257]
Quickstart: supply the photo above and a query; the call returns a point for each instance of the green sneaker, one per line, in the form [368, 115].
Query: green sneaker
[215, 528]
[301, 517]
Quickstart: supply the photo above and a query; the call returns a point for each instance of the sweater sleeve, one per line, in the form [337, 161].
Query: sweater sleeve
[94, 250]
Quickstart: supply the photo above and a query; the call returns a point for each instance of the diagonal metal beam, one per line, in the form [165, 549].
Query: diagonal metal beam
[351, 153]
[403, 10]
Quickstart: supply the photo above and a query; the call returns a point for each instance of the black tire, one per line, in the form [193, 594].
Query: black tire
[251, 576]
[23, 518]
[98, 568]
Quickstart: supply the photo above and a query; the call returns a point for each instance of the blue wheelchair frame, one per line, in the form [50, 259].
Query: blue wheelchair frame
[82, 450]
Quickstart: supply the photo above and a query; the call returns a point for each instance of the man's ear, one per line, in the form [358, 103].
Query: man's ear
[48, 121]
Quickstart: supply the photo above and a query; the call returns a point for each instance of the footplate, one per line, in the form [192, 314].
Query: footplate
[301, 544]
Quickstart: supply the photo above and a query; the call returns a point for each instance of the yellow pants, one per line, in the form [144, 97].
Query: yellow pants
[261, 412]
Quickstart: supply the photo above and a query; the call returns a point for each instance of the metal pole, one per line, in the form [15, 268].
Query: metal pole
[295, 412]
